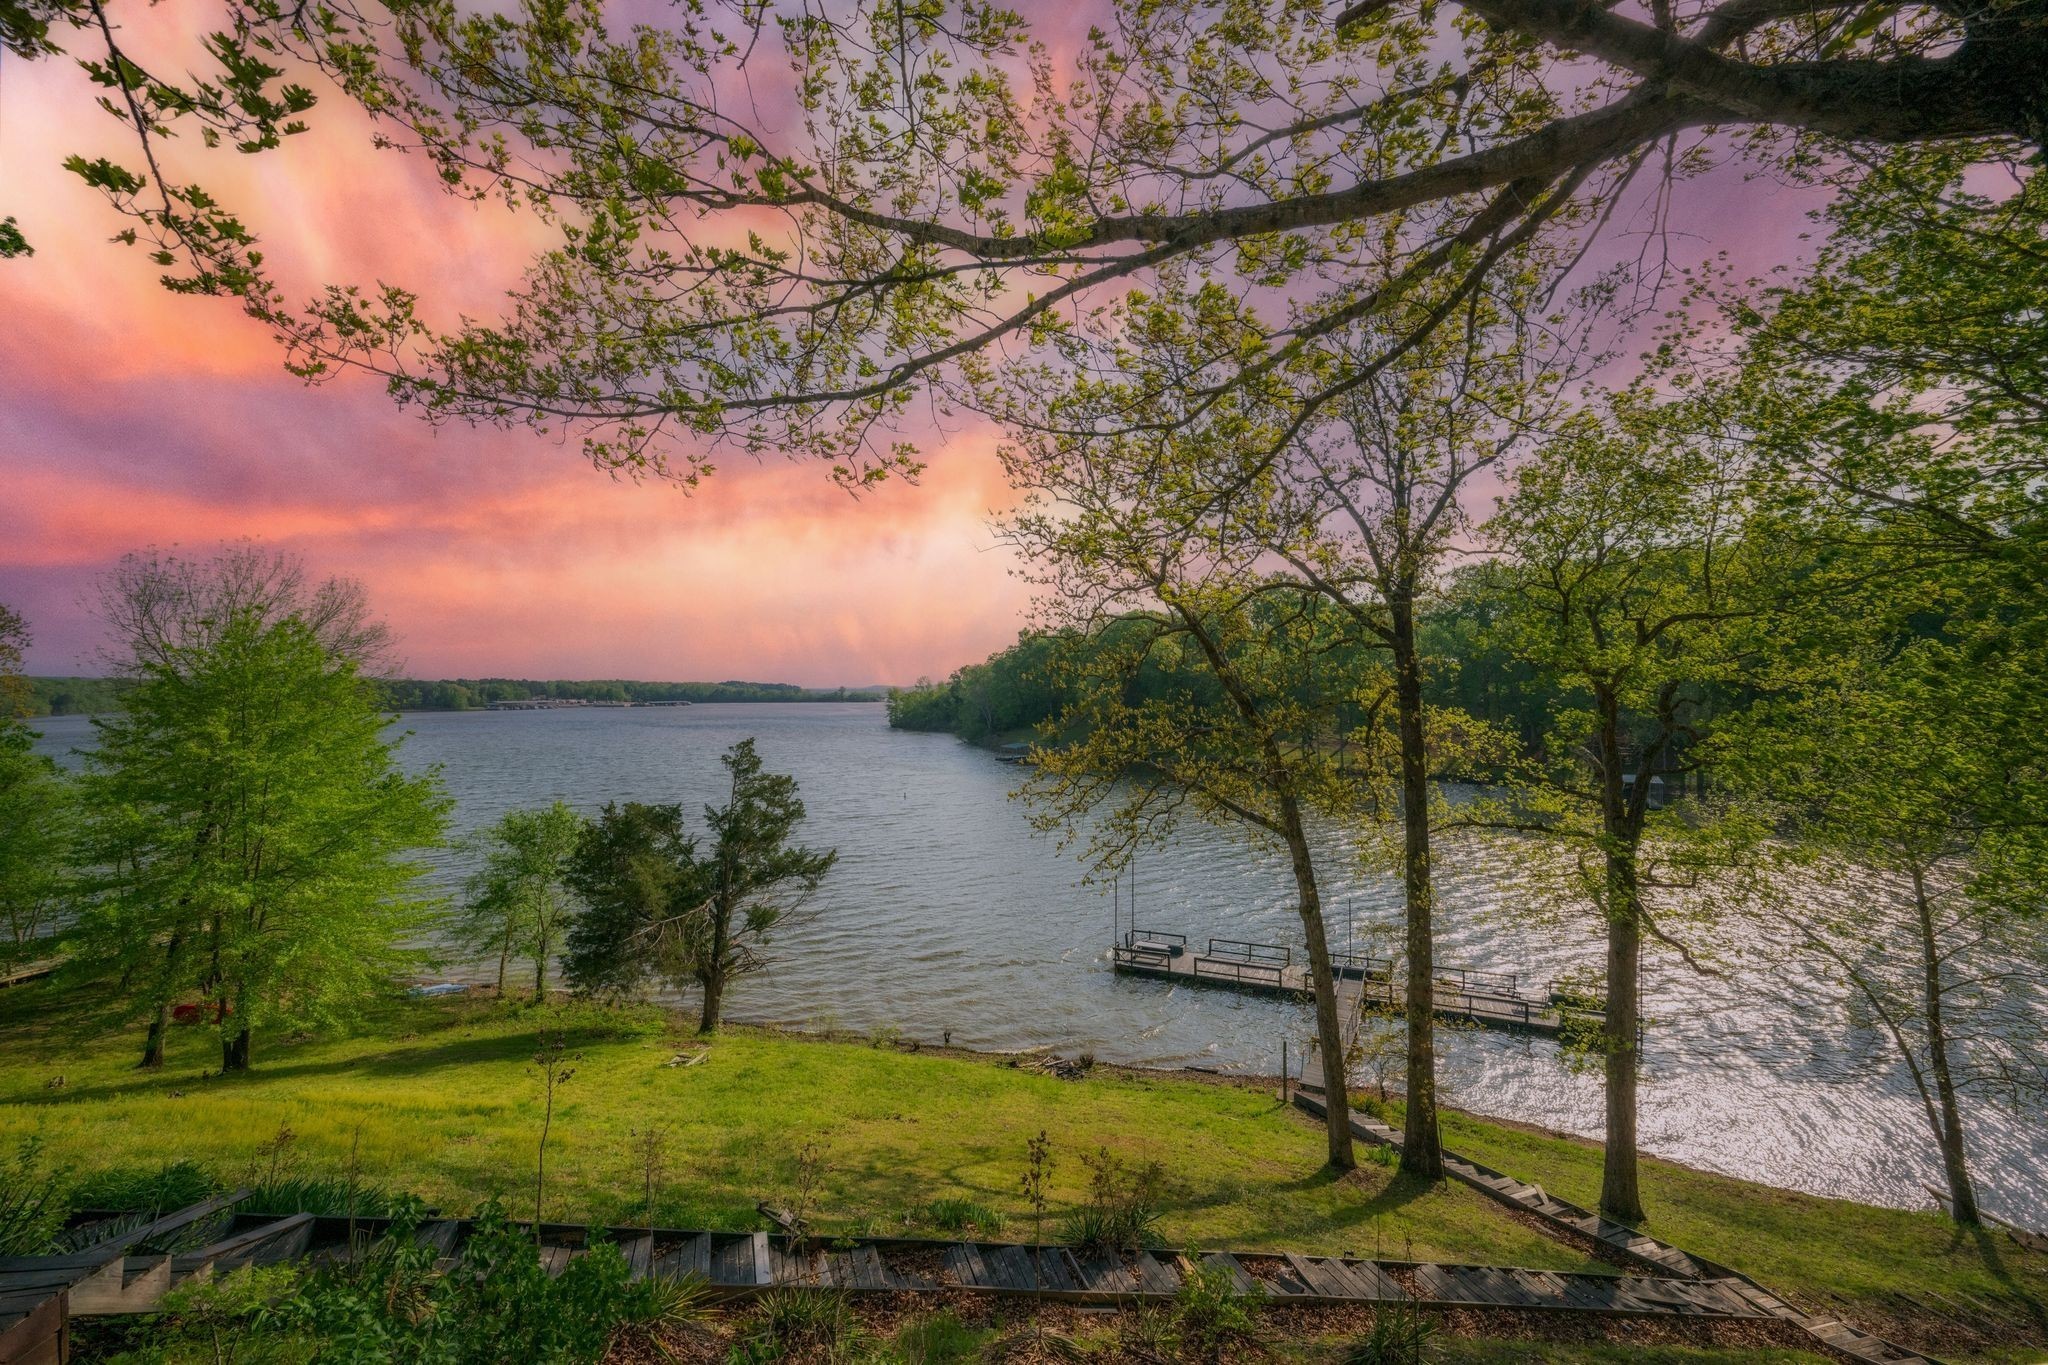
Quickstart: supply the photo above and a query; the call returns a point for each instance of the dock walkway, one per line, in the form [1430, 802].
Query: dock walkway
[1466, 995]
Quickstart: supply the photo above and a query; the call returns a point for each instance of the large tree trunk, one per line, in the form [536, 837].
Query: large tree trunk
[714, 1001]
[160, 1022]
[234, 1050]
[1962, 1196]
[153, 1042]
[1329, 1028]
[1620, 1193]
[1421, 1145]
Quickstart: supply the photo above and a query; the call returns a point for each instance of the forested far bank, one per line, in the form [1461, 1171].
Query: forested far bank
[1016, 691]
[54, 696]
[464, 694]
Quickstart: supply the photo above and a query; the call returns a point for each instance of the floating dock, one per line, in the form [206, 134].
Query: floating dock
[1465, 995]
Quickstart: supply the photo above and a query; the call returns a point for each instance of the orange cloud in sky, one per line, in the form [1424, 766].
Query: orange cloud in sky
[130, 417]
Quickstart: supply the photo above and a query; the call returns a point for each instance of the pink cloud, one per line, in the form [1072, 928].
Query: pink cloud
[129, 417]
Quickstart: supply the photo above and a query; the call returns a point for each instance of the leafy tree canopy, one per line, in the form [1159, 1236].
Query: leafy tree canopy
[928, 192]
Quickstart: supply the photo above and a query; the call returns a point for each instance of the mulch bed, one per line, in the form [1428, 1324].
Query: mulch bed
[882, 1316]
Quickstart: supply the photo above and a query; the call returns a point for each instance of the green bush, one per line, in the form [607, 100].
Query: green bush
[1210, 1313]
[962, 1215]
[1400, 1335]
[32, 1201]
[940, 1339]
[800, 1324]
[498, 1303]
[327, 1195]
[1122, 1212]
[154, 1190]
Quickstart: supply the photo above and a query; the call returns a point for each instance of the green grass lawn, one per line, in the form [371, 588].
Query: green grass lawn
[442, 1099]
[445, 1099]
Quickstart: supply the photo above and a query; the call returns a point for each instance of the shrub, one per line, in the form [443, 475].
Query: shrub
[801, 1324]
[937, 1340]
[498, 1303]
[228, 1315]
[962, 1215]
[32, 1203]
[1122, 1212]
[326, 1195]
[154, 1190]
[1210, 1312]
[1400, 1335]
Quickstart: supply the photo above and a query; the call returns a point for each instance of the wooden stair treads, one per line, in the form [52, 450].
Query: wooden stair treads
[1320, 1280]
[442, 1235]
[292, 1234]
[99, 1253]
[1240, 1278]
[1433, 1284]
[732, 1261]
[1104, 1272]
[639, 1253]
[869, 1271]
[1374, 1283]
[1054, 1269]
[1155, 1277]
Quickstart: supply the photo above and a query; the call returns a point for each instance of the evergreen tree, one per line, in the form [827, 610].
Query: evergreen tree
[661, 907]
[636, 872]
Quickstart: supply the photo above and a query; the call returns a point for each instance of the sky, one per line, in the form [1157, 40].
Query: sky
[131, 418]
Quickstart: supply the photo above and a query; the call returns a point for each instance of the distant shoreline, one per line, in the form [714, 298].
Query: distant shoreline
[80, 696]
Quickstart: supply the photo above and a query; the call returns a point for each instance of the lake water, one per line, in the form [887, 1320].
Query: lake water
[947, 913]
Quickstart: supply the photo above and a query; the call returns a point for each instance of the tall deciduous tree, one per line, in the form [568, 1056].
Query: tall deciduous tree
[14, 641]
[1630, 579]
[251, 826]
[1358, 496]
[38, 836]
[1141, 575]
[518, 902]
[1895, 392]
[1894, 775]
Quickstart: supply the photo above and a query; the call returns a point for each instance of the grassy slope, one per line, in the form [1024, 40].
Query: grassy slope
[447, 1102]
[445, 1096]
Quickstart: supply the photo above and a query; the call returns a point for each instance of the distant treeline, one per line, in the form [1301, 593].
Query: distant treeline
[1020, 688]
[463, 694]
[74, 696]
[88, 696]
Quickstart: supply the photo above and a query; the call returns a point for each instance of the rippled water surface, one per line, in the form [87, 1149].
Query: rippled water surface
[947, 913]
